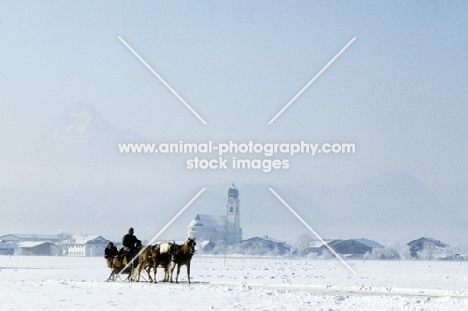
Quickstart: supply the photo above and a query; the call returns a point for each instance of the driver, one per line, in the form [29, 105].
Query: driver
[130, 242]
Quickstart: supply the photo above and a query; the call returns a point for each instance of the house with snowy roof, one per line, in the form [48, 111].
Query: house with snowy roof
[351, 246]
[426, 248]
[36, 248]
[263, 246]
[369, 243]
[86, 246]
[219, 229]
[30, 244]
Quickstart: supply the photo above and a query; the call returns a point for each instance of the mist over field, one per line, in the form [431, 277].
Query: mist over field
[79, 182]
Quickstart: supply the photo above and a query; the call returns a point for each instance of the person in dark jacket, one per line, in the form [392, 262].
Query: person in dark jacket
[110, 252]
[130, 242]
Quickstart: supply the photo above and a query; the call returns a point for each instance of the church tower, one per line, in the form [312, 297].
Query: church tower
[233, 229]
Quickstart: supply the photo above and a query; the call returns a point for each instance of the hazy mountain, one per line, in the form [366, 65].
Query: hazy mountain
[82, 127]
[80, 149]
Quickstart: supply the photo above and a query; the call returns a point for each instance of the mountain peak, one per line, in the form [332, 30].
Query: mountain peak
[75, 122]
[81, 125]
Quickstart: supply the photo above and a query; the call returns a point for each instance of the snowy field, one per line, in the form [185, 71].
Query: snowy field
[236, 283]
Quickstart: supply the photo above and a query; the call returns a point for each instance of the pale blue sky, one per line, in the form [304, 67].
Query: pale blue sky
[399, 92]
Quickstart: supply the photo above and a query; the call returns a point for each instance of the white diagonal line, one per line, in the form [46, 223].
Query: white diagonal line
[313, 231]
[162, 80]
[163, 229]
[311, 81]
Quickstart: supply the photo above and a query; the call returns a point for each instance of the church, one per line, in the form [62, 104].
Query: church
[219, 229]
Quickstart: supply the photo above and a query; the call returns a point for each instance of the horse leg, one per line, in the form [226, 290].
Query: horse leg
[171, 270]
[129, 277]
[148, 271]
[168, 270]
[188, 271]
[138, 269]
[166, 273]
[155, 267]
[177, 276]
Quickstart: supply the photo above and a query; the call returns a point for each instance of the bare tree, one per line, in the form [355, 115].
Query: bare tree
[303, 242]
[305, 239]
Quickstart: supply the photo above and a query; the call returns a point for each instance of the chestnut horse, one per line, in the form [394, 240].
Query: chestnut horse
[153, 256]
[183, 256]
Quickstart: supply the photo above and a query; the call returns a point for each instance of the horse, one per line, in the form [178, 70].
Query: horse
[183, 256]
[153, 256]
[165, 259]
[145, 261]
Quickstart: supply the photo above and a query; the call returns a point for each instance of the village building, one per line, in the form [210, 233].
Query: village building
[350, 247]
[86, 246]
[206, 246]
[219, 229]
[36, 248]
[312, 246]
[30, 244]
[263, 246]
[427, 248]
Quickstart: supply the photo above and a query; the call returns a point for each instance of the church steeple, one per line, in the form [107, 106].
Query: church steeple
[234, 232]
[233, 192]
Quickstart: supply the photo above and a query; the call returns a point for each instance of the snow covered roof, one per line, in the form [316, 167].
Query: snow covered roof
[89, 238]
[317, 243]
[204, 243]
[369, 243]
[436, 242]
[214, 221]
[269, 239]
[334, 242]
[366, 242]
[29, 244]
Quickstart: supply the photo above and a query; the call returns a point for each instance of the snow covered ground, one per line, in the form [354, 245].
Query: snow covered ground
[236, 283]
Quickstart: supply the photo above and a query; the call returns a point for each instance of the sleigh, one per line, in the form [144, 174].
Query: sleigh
[119, 267]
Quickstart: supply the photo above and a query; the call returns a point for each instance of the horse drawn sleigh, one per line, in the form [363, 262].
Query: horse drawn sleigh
[119, 265]
[166, 255]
